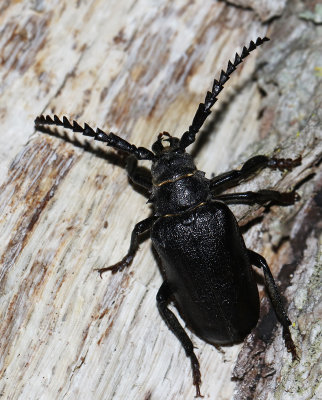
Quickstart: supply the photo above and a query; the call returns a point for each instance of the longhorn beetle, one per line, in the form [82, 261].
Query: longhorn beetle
[205, 263]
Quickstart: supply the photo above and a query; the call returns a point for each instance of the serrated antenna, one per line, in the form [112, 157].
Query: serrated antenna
[110, 139]
[211, 97]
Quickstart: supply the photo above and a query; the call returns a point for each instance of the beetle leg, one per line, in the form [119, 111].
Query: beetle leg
[126, 261]
[260, 262]
[163, 299]
[260, 197]
[252, 166]
[135, 176]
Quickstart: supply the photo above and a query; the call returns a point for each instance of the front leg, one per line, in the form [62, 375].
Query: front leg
[137, 177]
[260, 262]
[232, 178]
[163, 299]
[126, 261]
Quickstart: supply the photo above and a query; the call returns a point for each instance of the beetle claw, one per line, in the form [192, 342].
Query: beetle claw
[118, 267]
[198, 394]
[196, 374]
[291, 197]
[297, 197]
[290, 344]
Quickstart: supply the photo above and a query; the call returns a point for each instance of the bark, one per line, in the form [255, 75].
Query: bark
[67, 208]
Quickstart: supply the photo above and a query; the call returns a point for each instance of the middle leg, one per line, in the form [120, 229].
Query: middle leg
[232, 178]
[260, 197]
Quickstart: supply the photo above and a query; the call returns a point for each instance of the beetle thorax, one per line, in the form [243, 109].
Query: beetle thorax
[171, 165]
[177, 184]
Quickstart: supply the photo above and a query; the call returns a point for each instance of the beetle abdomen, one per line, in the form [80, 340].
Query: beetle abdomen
[206, 265]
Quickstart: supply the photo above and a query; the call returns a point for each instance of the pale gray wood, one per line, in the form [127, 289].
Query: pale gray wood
[138, 68]
[266, 10]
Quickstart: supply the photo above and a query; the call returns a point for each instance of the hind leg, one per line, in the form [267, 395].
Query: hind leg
[163, 299]
[260, 262]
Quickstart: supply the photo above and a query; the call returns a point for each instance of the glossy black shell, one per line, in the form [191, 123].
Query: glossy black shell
[205, 262]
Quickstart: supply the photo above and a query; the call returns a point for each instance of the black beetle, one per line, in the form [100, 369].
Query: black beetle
[206, 265]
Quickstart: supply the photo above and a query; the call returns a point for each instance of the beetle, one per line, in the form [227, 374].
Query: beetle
[206, 266]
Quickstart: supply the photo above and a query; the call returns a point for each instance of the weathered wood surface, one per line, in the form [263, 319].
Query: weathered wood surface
[139, 68]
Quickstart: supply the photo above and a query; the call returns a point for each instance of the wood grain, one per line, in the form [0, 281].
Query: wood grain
[139, 68]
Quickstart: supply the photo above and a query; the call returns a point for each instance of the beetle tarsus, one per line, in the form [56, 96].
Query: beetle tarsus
[284, 163]
[196, 374]
[289, 343]
[118, 267]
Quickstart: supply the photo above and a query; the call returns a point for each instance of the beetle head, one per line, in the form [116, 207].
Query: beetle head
[173, 146]
[170, 161]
